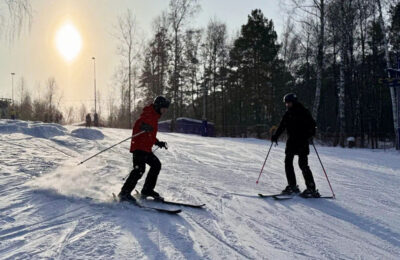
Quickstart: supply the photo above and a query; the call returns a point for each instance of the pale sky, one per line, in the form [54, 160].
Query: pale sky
[35, 57]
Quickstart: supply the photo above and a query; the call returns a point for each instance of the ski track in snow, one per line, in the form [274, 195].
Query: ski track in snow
[50, 208]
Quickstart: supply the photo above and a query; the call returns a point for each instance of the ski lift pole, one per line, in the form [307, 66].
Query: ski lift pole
[130, 137]
[323, 168]
[259, 176]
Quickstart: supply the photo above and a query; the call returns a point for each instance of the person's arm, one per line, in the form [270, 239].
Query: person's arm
[281, 128]
[146, 127]
[312, 125]
[143, 124]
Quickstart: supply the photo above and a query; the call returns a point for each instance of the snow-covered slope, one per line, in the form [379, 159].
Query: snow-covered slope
[52, 209]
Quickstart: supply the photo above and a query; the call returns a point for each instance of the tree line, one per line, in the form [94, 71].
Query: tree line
[44, 107]
[332, 53]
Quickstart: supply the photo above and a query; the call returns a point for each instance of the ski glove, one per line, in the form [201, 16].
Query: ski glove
[146, 127]
[162, 144]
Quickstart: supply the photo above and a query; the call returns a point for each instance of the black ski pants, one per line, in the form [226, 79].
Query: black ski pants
[140, 159]
[303, 164]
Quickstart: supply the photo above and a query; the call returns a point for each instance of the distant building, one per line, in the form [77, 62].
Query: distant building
[188, 126]
[5, 107]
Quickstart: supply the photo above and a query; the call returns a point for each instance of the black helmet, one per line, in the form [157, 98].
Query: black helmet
[290, 97]
[161, 102]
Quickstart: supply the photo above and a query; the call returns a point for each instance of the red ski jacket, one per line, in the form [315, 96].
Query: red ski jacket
[145, 141]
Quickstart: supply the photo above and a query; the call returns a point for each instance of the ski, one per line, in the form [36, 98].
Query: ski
[168, 211]
[322, 197]
[269, 195]
[183, 204]
[288, 197]
[283, 197]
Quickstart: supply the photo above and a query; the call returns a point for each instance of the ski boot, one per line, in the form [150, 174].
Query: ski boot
[290, 190]
[310, 193]
[151, 193]
[126, 197]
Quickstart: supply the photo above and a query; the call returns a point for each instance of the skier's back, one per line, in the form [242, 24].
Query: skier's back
[141, 150]
[300, 128]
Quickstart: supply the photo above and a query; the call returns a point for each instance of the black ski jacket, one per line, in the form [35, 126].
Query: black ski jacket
[300, 127]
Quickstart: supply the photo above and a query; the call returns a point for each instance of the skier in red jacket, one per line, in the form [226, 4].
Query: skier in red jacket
[141, 150]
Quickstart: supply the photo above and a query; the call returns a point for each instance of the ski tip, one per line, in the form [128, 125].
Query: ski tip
[172, 212]
[195, 206]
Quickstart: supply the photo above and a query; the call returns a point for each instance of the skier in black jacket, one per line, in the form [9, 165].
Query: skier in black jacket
[300, 127]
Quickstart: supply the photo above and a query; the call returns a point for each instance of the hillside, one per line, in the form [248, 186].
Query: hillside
[52, 209]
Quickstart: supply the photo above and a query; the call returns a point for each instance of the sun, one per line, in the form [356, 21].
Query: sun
[68, 41]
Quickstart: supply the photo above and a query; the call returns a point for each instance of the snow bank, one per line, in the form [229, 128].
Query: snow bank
[36, 129]
[87, 133]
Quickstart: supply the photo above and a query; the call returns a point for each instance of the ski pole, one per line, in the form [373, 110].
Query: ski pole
[259, 176]
[130, 137]
[323, 168]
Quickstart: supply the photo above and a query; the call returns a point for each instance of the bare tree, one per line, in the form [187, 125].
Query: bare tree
[127, 31]
[161, 46]
[69, 115]
[82, 112]
[51, 86]
[316, 9]
[51, 91]
[387, 60]
[153, 77]
[214, 49]
[22, 89]
[192, 41]
[179, 12]
[15, 15]
[290, 45]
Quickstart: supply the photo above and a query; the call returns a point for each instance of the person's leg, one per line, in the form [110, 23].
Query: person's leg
[151, 180]
[289, 169]
[139, 167]
[308, 176]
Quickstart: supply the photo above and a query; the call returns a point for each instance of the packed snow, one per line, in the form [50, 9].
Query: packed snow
[50, 208]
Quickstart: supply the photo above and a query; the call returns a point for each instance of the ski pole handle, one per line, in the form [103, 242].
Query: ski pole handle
[130, 137]
[259, 176]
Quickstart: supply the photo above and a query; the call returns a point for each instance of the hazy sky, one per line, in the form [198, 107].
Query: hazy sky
[35, 57]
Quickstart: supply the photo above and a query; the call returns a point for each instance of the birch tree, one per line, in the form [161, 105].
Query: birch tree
[387, 60]
[317, 10]
[15, 15]
[128, 50]
[179, 12]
